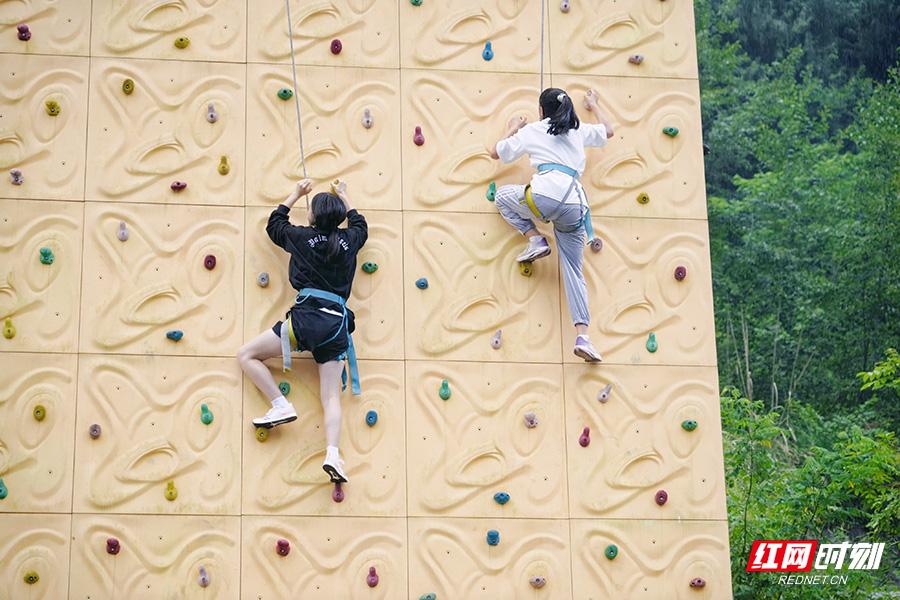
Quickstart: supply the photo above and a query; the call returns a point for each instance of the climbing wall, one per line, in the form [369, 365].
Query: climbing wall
[480, 465]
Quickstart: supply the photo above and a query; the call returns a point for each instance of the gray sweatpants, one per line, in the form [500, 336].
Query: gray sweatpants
[566, 218]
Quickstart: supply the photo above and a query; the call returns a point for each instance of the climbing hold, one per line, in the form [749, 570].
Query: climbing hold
[611, 551]
[24, 33]
[596, 244]
[39, 412]
[175, 335]
[206, 416]
[209, 261]
[283, 547]
[262, 434]
[501, 498]
[643, 198]
[680, 273]
[338, 494]
[488, 52]
[122, 232]
[493, 537]
[491, 191]
[94, 431]
[46, 256]
[538, 581]
[182, 42]
[372, 578]
[422, 283]
[698, 582]
[371, 418]
[689, 424]
[336, 46]
[564, 6]
[285, 388]
[9, 330]
[128, 86]
[418, 136]
[52, 107]
[429, 595]
[15, 177]
[670, 131]
[203, 578]
[367, 120]
[3, 491]
[262, 280]
[585, 439]
[369, 267]
[285, 93]
[496, 340]
[211, 114]
[525, 269]
[171, 492]
[223, 167]
[31, 577]
[636, 59]
[531, 420]
[661, 497]
[603, 395]
[652, 346]
[177, 186]
[444, 392]
[112, 546]
[416, 2]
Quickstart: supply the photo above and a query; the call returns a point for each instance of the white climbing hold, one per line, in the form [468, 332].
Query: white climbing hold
[603, 395]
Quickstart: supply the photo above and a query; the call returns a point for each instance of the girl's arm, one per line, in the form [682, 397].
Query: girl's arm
[590, 103]
[279, 224]
[357, 228]
[513, 126]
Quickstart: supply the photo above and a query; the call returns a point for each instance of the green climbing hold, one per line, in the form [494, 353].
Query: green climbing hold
[285, 388]
[9, 330]
[444, 392]
[492, 191]
[416, 2]
[429, 595]
[670, 131]
[285, 93]
[652, 346]
[206, 416]
[182, 42]
[3, 491]
[31, 577]
[39, 412]
[369, 267]
[689, 424]
[611, 551]
[171, 492]
[46, 256]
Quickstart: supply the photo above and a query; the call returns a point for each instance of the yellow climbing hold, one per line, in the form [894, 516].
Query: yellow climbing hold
[223, 165]
[128, 86]
[262, 434]
[182, 42]
[52, 107]
[525, 269]
[643, 198]
[9, 330]
[171, 492]
[39, 412]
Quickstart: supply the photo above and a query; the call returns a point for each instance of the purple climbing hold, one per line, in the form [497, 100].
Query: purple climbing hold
[636, 59]
[283, 547]
[203, 579]
[698, 582]
[661, 497]
[209, 261]
[94, 431]
[680, 273]
[122, 232]
[338, 494]
[497, 340]
[336, 46]
[112, 546]
[596, 245]
[564, 6]
[418, 137]
[537, 582]
[585, 439]
[372, 578]
[211, 114]
[367, 120]
[531, 420]
[177, 186]
[603, 395]
[15, 177]
[24, 32]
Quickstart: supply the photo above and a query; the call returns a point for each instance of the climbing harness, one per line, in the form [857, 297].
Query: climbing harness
[289, 340]
[586, 209]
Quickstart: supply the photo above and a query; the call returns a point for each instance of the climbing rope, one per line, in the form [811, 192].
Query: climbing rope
[287, 5]
[542, 46]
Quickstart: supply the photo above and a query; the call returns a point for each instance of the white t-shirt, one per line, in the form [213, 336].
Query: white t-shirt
[541, 147]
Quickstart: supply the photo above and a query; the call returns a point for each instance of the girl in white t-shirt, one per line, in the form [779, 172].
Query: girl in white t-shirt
[555, 146]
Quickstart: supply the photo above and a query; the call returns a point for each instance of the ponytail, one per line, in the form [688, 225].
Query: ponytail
[328, 212]
[557, 106]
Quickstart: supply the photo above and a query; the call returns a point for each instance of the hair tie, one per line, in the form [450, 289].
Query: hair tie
[560, 97]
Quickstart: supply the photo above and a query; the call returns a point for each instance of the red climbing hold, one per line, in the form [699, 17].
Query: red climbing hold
[680, 273]
[585, 438]
[661, 497]
[112, 546]
[338, 494]
[177, 186]
[336, 46]
[209, 262]
[24, 32]
[698, 582]
[372, 579]
[283, 547]
[418, 138]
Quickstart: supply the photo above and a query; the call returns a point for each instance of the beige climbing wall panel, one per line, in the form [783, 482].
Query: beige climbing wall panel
[103, 261]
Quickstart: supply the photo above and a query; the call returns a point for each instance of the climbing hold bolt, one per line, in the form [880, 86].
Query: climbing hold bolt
[338, 494]
[538, 581]
[203, 578]
[367, 120]
[175, 335]
[31, 577]
[52, 107]
[670, 131]
[488, 52]
[336, 46]
[177, 186]
[223, 167]
[262, 280]
[206, 416]
[493, 537]
[371, 418]
[698, 582]
[652, 346]
[211, 114]
[497, 340]
[531, 420]
[422, 283]
[603, 395]
[128, 86]
[39, 412]
[596, 245]
[209, 261]
[661, 497]
[171, 492]
[285, 388]
[15, 177]
[46, 256]
[680, 273]
[636, 59]
[585, 439]
[9, 330]
[689, 424]
[643, 198]
[564, 6]
[444, 392]
[416, 2]
[122, 232]
[526, 269]
[3, 491]
[418, 136]
[372, 577]
[491, 191]
[611, 551]
[429, 595]
[285, 93]
[262, 434]
[283, 547]
[369, 267]
[112, 546]
[24, 33]
[501, 498]
[182, 42]
[94, 431]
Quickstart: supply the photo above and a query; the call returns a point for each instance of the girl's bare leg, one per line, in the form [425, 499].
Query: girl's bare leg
[251, 356]
[330, 394]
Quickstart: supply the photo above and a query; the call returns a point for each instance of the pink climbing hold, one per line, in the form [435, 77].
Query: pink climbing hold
[661, 497]
[698, 582]
[112, 546]
[372, 579]
[338, 494]
[531, 420]
[418, 138]
[24, 32]
[177, 186]
[585, 438]
[680, 273]
[209, 262]
[283, 547]
[336, 46]
[16, 177]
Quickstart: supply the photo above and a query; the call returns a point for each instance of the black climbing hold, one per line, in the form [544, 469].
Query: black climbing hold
[336, 46]
[175, 335]
[283, 547]
[689, 424]
[493, 537]
[661, 497]
[24, 34]
[369, 267]
[371, 418]
[611, 551]
[94, 431]
[422, 283]
[209, 261]
[706, 148]
[680, 273]
[501, 498]
[112, 546]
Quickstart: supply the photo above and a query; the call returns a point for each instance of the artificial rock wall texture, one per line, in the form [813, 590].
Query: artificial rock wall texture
[84, 333]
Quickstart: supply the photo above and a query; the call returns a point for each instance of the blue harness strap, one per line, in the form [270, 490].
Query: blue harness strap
[586, 220]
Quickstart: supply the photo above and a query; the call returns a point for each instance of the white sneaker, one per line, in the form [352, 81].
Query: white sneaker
[334, 466]
[537, 248]
[585, 349]
[277, 415]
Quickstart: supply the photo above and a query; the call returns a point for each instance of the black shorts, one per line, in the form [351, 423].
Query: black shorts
[320, 331]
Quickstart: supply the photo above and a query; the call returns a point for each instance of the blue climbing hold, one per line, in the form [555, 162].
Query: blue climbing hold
[422, 283]
[175, 335]
[493, 537]
[488, 52]
[371, 418]
[501, 498]
[3, 491]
